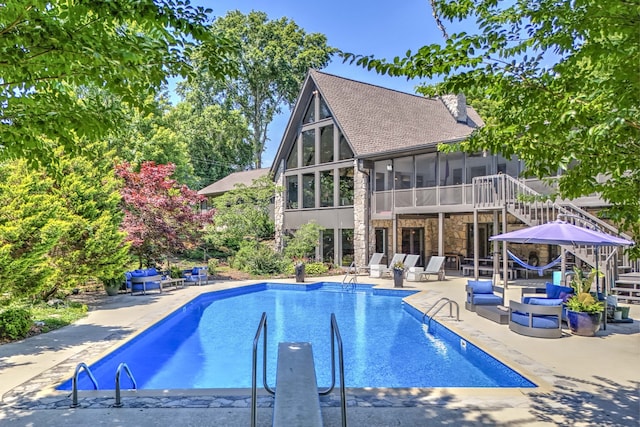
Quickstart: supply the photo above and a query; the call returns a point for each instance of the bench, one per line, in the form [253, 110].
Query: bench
[297, 402]
[152, 282]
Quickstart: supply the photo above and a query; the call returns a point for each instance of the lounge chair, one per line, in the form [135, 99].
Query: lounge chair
[376, 258]
[379, 270]
[434, 267]
[410, 263]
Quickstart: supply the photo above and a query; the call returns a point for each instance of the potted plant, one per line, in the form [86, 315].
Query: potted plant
[112, 285]
[584, 310]
[398, 274]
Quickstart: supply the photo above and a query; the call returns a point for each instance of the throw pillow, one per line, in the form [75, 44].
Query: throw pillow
[481, 286]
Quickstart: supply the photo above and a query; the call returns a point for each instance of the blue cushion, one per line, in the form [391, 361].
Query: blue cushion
[542, 322]
[486, 299]
[545, 301]
[152, 272]
[481, 286]
[553, 291]
[138, 273]
[196, 270]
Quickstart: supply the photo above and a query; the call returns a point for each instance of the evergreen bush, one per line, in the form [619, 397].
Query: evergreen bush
[15, 323]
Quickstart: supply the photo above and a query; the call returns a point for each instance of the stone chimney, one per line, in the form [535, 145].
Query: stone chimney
[457, 105]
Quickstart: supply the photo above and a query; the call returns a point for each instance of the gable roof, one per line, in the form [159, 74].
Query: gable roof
[229, 182]
[376, 120]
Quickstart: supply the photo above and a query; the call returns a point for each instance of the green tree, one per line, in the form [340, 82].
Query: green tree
[51, 52]
[242, 214]
[216, 139]
[273, 58]
[561, 83]
[58, 231]
[303, 242]
[150, 136]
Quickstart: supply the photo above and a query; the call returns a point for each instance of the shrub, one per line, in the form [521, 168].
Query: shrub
[310, 269]
[175, 272]
[212, 265]
[258, 258]
[15, 323]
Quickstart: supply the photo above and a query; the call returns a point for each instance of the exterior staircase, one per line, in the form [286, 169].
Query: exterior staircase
[532, 208]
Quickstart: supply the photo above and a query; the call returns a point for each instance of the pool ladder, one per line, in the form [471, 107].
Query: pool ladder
[350, 279]
[335, 338]
[438, 306]
[82, 365]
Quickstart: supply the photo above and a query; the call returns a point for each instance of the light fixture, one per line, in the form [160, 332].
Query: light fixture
[390, 166]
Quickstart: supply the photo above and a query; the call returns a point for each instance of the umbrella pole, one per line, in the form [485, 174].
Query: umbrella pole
[604, 289]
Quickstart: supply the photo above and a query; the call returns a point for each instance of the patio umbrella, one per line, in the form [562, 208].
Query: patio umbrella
[564, 233]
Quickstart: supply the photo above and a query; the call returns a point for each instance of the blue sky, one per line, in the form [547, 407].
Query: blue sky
[384, 29]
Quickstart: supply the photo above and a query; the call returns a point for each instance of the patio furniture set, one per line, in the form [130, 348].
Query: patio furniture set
[143, 280]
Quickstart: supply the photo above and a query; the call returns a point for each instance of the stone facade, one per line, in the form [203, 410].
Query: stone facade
[360, 216]
[278, 208]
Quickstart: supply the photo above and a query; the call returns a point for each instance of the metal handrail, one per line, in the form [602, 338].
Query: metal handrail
[254, 388]
[74, 382]
[335, 337]
[122, 365]
[353, 277]
[448, 302]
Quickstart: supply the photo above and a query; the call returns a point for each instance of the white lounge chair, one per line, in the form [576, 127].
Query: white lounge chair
[409, 262]
[380, 270]
[376, 258]
[434, 267]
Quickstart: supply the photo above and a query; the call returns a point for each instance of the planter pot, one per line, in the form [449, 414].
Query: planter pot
[617, 315]
[299, 268]
[398, 278]
[625, 312]
[112, 290]
[584, 324]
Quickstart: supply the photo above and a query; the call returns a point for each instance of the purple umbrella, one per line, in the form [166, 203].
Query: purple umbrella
[561, 233]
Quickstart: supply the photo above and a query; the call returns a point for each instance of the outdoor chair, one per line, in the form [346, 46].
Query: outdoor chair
[433, 267]
[379, 270]
[376, 259]
[541, 318]
[196, 276]
[481, 292]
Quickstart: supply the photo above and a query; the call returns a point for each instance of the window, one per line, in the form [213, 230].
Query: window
[426, 170]
[345, 150]
[451, 168]
[346, 236]
[328, 251]
[310, 114]
[309, 147]
[292, 161]
[346, 186]
[326, 144]
[383, 176]
[403, 169]
[477, 165]
[324, 110]
[509, 167]
[308, 190]
[381, 240]
[326, 188]
[292, 192]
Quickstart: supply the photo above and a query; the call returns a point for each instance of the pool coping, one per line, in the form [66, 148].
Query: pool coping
[39, 392]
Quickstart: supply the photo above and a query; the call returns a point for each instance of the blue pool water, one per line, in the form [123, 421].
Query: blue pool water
[208, 342]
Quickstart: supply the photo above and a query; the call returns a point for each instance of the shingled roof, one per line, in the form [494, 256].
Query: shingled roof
[378, 120]
[229, 182]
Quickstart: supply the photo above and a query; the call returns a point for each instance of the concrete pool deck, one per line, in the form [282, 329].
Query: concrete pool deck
[583, 380]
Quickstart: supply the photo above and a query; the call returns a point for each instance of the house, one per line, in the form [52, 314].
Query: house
[362, 161]
[229, 182]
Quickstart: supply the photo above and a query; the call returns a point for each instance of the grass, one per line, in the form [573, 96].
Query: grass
[58, 315]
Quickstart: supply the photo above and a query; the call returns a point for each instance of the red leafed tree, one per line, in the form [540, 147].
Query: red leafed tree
[161, 216]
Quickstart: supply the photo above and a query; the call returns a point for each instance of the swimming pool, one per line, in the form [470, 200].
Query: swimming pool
[208, 342]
